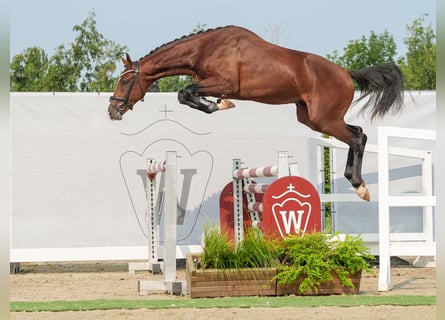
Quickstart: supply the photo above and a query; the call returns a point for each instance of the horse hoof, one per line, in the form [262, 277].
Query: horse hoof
[363, 192]
[224, 104]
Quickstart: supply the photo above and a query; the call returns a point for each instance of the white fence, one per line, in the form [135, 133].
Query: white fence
[424, 245]
[384, 242]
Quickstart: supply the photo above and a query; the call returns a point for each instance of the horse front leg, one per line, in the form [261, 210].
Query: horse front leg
[192, 96]
[195, 102]
[353, 171]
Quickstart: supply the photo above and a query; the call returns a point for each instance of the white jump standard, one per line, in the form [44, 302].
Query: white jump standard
[153, 222]
[168, 266]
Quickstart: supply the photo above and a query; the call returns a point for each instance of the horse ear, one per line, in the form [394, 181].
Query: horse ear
[127, 60]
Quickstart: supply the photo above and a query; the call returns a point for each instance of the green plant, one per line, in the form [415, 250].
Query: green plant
[310, 259]
[255, 251]
[313, 257]
[218, 250]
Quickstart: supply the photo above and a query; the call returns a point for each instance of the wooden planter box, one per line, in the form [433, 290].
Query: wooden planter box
[326, 288]
[211, 283]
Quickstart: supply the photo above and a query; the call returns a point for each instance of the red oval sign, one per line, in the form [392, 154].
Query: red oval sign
[226, 214]
[291, 205]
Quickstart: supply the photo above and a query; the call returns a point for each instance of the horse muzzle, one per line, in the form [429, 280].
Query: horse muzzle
[114, 114]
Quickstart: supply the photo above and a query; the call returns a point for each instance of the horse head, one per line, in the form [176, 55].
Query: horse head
[126, 93]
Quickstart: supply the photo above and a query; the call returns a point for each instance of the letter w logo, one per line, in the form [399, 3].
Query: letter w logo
[290, 220]
[185, 191]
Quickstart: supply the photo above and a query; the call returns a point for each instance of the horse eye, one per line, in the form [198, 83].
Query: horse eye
[124, 81]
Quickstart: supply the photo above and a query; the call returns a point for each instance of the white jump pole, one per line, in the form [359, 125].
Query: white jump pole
[153, 216]
[238, 204]
[169, 284]
[170, 212]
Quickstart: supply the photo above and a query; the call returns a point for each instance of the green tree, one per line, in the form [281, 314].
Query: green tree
[365, 52]
[94, 57]
[419, 64]
[61, 75]
[176, 83]
[86, 64]
[27, 70]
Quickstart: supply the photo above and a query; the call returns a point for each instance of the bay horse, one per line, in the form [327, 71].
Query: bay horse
[234, 63]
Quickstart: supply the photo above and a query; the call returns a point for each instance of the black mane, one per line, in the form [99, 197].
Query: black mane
[182, 38]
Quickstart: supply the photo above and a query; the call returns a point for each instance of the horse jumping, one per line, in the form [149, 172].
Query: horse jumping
[234, 63]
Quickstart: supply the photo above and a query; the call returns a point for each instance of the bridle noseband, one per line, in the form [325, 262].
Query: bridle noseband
[125, 101]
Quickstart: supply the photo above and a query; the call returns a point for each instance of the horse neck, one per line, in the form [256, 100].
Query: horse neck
[170, 61]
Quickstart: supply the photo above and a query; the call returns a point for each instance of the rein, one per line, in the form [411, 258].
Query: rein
[125, 101]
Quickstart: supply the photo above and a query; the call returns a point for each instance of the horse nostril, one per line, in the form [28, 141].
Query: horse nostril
[110, 115]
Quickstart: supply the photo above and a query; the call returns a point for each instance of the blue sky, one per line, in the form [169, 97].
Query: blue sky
[318, 26]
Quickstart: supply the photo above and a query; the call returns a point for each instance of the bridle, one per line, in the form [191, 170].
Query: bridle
[120, 108]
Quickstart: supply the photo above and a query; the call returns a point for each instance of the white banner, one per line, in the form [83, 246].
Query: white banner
[78, 179]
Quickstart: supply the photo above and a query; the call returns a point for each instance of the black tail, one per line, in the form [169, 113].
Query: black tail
[383, 84]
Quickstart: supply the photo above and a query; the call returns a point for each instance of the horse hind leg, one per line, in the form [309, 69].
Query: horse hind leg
[352, 135]
[356, 139]
[353, 171]
[350, 160]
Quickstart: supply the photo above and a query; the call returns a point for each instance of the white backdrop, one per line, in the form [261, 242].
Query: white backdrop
[77, 177]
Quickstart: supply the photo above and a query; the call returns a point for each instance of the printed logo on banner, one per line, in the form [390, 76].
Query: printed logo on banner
[194, 172]
[186, 176]
[291, 206]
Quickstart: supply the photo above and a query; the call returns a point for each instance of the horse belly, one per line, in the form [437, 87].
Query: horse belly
[274, 82]
[278, 93]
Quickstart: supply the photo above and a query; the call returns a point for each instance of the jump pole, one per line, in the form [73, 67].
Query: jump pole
[169, 284]
[239, 174]
[171, 209]
[153, 168]
[153, 219]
